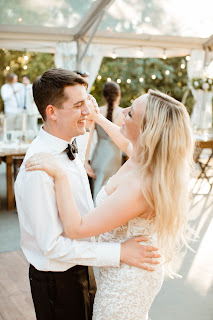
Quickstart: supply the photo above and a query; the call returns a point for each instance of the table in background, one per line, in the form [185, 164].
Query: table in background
[7, 155]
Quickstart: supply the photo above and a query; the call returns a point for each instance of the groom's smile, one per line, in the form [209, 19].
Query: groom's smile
[71, 118]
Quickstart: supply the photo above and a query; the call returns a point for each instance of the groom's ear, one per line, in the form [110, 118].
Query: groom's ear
[50, 112]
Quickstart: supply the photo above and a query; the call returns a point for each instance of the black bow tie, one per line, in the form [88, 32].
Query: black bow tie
[72, 149]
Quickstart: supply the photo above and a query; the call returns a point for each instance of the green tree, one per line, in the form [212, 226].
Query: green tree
[164, 75]
[14, 61]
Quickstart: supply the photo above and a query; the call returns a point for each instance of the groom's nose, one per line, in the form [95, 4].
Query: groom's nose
[85, 111]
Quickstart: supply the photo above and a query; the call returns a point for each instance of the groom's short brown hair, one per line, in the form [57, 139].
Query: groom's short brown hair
[49, 88]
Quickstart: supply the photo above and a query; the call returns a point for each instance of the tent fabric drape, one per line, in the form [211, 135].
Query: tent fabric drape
[201, 117]
[66, 55]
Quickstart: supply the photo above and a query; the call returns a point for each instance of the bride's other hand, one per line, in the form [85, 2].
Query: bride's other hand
[90, 170]
[45, 162]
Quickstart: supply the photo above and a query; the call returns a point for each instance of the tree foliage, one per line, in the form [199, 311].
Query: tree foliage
[170, 78]
[36, 64]
[174, 83]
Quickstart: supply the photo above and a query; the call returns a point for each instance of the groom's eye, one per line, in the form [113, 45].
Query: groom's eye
[130, 114]
[78, 105]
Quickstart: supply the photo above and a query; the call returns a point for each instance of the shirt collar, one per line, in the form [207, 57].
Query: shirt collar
[55, 144]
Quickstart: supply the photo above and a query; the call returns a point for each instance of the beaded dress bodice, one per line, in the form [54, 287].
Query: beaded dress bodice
[127, 292]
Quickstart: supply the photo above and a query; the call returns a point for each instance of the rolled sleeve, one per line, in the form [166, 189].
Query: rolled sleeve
[108, 254]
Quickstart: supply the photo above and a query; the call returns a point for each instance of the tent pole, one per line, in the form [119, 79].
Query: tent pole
[90, 39]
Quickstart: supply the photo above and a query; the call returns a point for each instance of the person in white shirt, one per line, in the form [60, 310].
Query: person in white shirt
[12, 93]
[62, 285]
[30, 106]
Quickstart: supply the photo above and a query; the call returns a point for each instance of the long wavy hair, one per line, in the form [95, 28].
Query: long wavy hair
[165, 150]
[110, 91]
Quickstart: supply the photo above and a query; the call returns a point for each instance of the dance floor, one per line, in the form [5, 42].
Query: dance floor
[15, 298]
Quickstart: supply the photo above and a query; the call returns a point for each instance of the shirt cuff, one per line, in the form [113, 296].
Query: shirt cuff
[108, 254]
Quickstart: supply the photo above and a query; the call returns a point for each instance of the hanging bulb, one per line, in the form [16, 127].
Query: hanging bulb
[118, 80]
[114, 55]
[188, 58]
[164, 56]
[109, 79]
[140, 53]
[26, 58]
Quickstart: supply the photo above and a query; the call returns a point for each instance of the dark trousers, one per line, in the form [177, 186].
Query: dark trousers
[67, 295]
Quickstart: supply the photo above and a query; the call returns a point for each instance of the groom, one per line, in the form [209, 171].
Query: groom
[62, 285]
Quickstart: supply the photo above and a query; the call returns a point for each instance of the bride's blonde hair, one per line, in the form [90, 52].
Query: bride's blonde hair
[165, 150]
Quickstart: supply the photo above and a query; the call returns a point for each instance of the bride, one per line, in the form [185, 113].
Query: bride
[148, 195]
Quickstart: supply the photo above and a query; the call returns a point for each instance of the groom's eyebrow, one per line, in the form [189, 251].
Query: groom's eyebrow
[78, 102]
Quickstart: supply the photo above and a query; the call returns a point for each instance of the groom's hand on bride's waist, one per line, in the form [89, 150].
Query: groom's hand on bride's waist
[135, 254]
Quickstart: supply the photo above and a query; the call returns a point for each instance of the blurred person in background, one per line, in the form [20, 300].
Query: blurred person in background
[30, 106]
[12, 93]
[107, 157]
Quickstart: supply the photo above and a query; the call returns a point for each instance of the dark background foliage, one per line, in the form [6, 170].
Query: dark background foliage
[173, 84]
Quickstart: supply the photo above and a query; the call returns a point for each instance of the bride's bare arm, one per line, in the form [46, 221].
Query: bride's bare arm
[111, 129]
[114, 132]
[121, 206]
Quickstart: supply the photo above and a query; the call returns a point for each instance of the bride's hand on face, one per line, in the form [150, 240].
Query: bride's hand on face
[93, 107]
[45, 162]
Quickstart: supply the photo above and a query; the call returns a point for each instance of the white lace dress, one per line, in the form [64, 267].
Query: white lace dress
[126, 293]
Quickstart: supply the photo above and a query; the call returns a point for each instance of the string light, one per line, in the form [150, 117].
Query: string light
[114, 55]
[140, 53]
[182, 66]
[128, 80]
[153, 77]
[167, 72]
[26, 58]
[25, 67]
[109, 79]
[7, 68]
[164, 56]
[147, 19]
[99, 77]
[141, 79]
[118, 80]
[188, 58]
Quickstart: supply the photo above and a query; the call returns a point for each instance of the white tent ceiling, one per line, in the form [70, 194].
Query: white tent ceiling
[122, 26]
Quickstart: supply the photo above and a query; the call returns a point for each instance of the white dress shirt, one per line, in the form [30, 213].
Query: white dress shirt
[42, 241]
[82, 142]
[13, 102]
